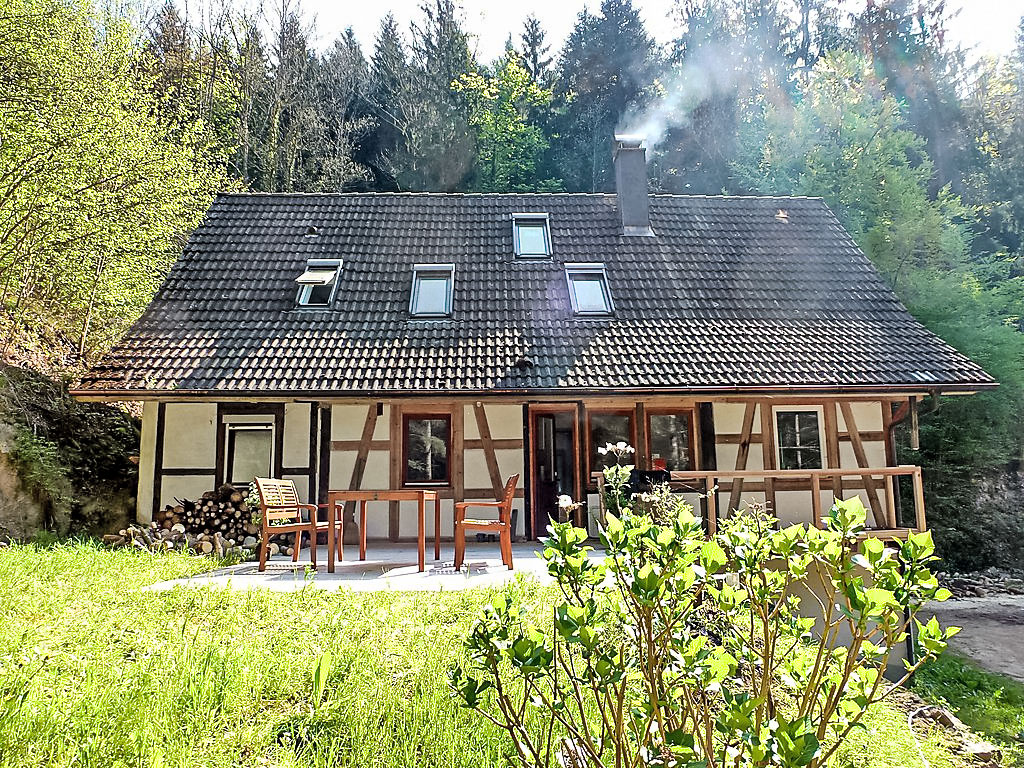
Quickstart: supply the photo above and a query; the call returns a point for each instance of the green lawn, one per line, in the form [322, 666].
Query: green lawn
[991, 704]
[96, 672]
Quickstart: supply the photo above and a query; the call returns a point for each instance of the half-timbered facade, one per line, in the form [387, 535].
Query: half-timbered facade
[371, 341]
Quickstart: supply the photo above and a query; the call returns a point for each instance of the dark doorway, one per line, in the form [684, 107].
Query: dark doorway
[555, 463]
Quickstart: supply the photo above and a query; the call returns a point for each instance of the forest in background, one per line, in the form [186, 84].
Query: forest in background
[119, 124]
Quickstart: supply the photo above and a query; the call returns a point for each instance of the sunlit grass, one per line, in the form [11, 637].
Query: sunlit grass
[97, 672]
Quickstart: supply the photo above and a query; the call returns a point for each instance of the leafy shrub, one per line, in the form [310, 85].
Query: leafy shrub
[40, 468]
[631, 671]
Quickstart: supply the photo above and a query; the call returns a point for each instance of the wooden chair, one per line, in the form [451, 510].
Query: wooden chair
[503, 525]
[279, 504]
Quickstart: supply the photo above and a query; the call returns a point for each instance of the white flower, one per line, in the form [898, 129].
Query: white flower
[621, 446]
[602, 450]
[564, 501]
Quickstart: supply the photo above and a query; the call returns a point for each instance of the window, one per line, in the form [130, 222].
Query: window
[426, 440]
[588, 289]
[608, 427]
[432, 290]
[531, 236]
[799, 439]
[668, 441]
[250, 452]
[318, 283]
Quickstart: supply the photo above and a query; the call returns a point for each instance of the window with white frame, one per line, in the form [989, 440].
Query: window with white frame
[249, 450]
[317, 285]
[531, 235]
[799, 437]
[432, 288]
[588, 289]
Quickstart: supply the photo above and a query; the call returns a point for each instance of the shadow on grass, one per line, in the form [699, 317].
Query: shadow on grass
[989, 703]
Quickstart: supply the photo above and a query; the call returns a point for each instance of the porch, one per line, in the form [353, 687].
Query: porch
[389, 566]
[894, 496]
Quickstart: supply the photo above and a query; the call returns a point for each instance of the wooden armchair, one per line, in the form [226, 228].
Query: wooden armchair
[503, 525]
[279, 504]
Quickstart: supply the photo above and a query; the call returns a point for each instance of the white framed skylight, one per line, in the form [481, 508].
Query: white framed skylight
[531, 235]
[319, 283]
[432, 289]
[588, 289]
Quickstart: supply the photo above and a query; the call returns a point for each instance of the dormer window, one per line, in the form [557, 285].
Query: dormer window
[531, 235]
[432, 286]
[318, 283]
[588, 289]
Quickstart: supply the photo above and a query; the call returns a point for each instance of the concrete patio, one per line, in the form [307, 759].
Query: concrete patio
[388, 566]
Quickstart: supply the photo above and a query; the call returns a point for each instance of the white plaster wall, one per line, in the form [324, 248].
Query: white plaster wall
[184, 487]
[296, 435]
[301, 487]
[476, 474]
[190, 436]
[347, 422]
[505, 421]
[728, 419]
[147, 463]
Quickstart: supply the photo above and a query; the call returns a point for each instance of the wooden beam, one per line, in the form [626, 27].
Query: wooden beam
[497, 443]
[640, 422]
[768, 453]
[489, 455]
[355, 483]
[741, 454]
[457, 458]
[395, 464]
[832, 457]
[862, 460]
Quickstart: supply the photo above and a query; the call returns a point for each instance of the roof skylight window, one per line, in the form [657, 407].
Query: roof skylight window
[432, 288]
[588, 289]
[318, 283]
[531, 235]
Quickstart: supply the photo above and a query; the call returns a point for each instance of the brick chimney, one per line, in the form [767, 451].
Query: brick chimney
[630, 160]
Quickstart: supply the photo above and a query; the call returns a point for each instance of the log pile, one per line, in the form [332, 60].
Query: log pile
[219, 524]
[223, 511]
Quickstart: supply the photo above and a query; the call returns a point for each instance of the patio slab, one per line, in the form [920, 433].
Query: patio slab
[388, 566]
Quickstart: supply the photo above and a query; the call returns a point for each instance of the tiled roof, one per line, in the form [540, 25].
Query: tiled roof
[731, 293]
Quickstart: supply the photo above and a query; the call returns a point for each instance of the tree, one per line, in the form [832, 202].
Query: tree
[845, 140]
[509, 147]
[607, 65]
[97, 191]
[534, 51]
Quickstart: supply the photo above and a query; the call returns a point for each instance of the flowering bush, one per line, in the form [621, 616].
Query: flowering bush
[677, 650]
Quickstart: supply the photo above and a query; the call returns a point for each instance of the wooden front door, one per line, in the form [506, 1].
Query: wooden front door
[554, 470]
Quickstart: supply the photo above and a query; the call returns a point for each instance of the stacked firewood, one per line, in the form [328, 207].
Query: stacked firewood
[223, 511]
[219, 523]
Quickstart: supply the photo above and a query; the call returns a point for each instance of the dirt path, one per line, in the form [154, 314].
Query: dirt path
[993, 630]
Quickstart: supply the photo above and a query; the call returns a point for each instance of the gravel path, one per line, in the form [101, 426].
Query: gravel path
[993, 630]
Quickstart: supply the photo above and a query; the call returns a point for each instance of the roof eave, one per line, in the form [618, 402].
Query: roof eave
[958, 388]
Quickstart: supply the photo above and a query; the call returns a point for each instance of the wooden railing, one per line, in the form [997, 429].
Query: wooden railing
[816, 481]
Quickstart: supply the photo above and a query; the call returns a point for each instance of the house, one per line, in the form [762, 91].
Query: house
[449, 340]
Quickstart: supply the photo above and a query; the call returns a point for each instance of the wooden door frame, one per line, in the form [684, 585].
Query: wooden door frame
[532, 411]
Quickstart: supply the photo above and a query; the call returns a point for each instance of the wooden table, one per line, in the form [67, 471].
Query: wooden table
[419, 495]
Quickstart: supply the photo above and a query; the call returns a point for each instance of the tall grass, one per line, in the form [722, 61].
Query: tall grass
[97, 672]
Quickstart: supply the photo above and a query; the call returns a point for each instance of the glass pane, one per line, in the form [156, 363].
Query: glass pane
[426, 451]
[590, 293]
[319, 295]
[808, 433]
[669, 436]
[250, 452]
[799, 440]
[532, 238]
[787, 428]
[432, 293]
[608, 428]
